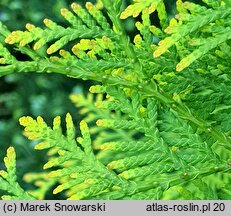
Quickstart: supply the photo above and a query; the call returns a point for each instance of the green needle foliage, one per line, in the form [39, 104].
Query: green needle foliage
[157, 124]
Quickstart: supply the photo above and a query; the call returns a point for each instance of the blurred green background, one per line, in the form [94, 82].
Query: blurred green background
[38, 94]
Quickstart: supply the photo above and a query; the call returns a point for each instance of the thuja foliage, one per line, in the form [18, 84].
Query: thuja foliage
[157, 123]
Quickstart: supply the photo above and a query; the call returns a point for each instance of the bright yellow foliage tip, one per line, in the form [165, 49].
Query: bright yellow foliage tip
[140, 5]
[10, 159]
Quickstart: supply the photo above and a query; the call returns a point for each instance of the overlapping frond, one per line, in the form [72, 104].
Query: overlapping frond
[198, 26]
[147, 130]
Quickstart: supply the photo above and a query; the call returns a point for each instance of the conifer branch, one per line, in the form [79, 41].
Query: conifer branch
[157, 128]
